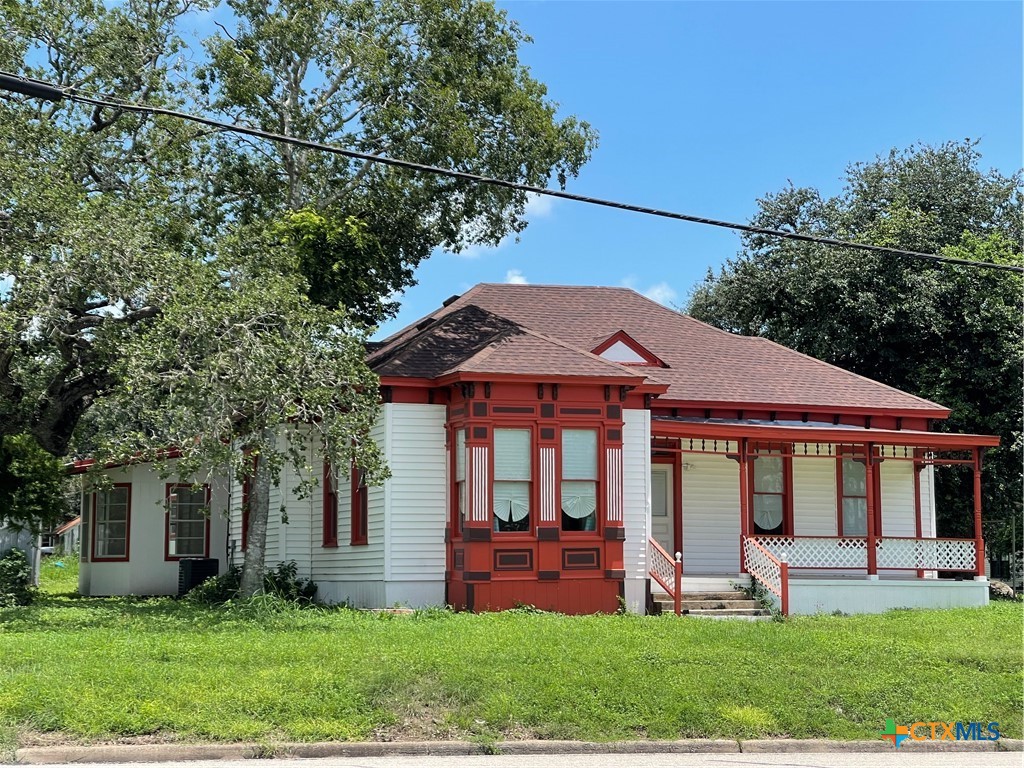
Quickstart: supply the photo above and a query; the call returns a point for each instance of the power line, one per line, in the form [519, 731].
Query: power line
[42, 89]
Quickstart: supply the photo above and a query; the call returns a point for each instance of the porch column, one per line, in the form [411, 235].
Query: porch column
[744, 502]
[869, 479]
[979, 542]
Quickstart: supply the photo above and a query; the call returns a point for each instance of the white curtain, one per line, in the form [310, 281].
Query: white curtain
[511, 500]
[579, 498]
[768, 511]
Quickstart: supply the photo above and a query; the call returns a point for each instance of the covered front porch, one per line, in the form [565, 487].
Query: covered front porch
[822, 517]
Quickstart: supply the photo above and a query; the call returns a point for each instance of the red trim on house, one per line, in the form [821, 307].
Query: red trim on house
[787, 434]
[168, 490]
[330, 509]
[650, 359]
[360, 507]
[127, 528]
[918, 524]
[81, 466]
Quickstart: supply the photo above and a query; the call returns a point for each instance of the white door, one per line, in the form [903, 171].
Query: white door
[661, 506]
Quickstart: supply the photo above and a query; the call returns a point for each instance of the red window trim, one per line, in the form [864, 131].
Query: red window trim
[787, 485]
[360, 508]
[330, 508]
[168, 490]
[846, 452]
[127, 528]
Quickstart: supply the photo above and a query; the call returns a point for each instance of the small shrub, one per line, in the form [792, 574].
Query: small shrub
[15, 580]
[281, 582]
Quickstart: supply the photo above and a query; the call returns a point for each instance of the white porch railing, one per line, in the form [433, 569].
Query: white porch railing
[667, 572]
[890, 553]
[768, 570]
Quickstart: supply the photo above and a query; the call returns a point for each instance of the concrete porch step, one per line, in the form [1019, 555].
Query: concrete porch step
[710, 605]
[692, 595]
[728, 612]
[714, 605]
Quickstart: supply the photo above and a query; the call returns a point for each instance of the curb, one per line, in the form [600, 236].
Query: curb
[152, 753]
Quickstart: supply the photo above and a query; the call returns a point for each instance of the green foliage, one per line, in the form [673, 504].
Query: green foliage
[949, 334]
[187, 672]
[15, 580]
[279, 584]
[32, 484]
[58, 574]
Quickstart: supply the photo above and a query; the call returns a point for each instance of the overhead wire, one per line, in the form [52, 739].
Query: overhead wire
[53, 92]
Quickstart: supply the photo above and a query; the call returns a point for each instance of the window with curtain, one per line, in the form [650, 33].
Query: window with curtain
[854, 498]
[187, 521]
[110, 525]
[512, 480]
[579, 480]
[460, 478]
[769, 502]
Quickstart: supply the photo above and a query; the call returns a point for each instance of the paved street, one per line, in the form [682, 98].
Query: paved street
[849, 760]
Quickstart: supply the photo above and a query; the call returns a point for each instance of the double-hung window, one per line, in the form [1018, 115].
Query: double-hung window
[769, 493]
[188, 521]
[512, 475]
[853, 493]
[111, 516]
[579, 480]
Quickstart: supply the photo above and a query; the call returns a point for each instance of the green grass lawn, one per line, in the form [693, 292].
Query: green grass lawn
[87, 669]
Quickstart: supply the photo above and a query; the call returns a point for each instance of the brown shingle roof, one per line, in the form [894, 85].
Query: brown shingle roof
[704, 363]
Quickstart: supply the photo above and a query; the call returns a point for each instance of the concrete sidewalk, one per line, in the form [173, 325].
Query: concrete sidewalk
[163, 753]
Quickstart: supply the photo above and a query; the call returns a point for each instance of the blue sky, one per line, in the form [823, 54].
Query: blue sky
[703, 107]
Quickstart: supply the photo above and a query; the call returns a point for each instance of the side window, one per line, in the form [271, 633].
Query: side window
[188, 521]
[769, 492]
[111, 521]
[512, 453]
[360, 506]
[853, 493]
[460, 478]
[330, 521]
[579, 480]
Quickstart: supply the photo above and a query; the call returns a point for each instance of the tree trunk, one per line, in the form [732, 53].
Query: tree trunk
[259, 514]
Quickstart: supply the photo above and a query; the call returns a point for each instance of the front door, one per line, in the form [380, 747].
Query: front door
[662, 526]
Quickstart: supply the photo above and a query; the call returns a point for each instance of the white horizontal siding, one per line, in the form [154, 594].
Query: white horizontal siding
[336, 567]
[814, 497]
[636, 485]
[897, 479]
[417, 494]
[711, 515]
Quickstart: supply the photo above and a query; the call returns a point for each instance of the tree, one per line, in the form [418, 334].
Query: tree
[437, 82]
[949, 334]
[112, 222]
[32, 485]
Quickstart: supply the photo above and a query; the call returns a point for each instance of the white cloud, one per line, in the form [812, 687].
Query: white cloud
[661, 292]
[516, 277]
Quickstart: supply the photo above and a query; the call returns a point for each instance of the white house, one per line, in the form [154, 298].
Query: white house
[557, 445]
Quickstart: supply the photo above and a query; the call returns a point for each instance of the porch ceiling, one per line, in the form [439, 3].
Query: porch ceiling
[797, 431]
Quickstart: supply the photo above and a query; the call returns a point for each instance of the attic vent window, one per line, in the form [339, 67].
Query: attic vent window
[623, 349]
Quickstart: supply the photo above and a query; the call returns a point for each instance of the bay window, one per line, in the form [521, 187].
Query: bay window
[512, 480]
[579, 480]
